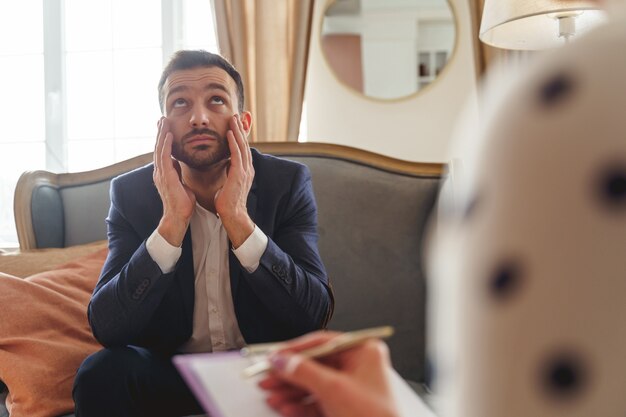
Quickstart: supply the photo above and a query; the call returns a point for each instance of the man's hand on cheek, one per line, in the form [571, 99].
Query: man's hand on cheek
[178, 200]
[230, 200]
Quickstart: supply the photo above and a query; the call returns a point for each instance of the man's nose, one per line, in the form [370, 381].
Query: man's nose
[199, 117]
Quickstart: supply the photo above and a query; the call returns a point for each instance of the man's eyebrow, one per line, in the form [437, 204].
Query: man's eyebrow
[177, 89]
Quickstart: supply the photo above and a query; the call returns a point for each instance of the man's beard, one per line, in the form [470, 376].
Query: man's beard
[198, 158]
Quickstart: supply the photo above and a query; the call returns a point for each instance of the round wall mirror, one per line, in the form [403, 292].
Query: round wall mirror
[388, 49]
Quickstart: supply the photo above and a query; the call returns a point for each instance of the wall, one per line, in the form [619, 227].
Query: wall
[418, 128]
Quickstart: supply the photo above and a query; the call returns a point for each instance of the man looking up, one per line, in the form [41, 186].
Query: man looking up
[211, 247]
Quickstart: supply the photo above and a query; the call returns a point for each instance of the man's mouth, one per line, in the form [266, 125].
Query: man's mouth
[200, 139]
[197, 136]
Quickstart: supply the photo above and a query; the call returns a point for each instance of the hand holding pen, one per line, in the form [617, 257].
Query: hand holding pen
[353, 381]
[337, 343]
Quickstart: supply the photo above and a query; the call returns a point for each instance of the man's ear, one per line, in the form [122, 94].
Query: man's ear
[246, 121]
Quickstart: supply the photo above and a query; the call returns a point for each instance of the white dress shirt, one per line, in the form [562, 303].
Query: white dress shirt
[215, 325]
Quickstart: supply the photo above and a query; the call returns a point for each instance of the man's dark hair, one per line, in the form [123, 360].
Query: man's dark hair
[186, 59]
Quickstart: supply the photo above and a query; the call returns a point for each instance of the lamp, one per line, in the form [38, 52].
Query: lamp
[536, 24]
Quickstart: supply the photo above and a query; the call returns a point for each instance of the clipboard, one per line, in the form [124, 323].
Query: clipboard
[217, 381]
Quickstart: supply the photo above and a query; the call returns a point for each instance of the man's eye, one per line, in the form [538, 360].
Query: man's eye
[217, 100]
[179, 102]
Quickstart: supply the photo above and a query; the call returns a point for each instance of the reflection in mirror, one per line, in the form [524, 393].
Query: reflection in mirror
[388, 49]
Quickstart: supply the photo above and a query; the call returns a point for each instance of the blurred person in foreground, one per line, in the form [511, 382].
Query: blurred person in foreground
[535, 253]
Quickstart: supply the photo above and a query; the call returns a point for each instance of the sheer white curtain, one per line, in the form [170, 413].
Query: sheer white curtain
[80, 82]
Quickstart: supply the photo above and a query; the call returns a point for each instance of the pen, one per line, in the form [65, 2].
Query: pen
[336, 344]
[260, 348]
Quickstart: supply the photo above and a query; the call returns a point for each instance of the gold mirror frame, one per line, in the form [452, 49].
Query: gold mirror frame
[419, 91]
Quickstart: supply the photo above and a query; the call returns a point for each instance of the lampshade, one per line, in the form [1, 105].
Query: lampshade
[536, 24]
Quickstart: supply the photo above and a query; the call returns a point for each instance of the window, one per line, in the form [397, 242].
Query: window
[80, 80]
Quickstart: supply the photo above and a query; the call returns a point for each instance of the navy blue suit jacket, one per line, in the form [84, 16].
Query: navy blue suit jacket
[134, 303]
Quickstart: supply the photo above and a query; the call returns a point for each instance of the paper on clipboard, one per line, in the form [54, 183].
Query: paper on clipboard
[217, 382]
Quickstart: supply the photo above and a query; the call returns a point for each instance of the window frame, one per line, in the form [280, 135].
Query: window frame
[56, 138]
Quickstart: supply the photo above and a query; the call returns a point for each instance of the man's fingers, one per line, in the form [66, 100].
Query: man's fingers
[163, 161]
[177, 167]
[217, 193]
[156, 142]
[240, 141]
[235, 153]
[162, 130]
[158, 145]
[243, 143]
[165, 167]
[166, 152]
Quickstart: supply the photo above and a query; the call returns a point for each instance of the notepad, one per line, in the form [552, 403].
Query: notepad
[217, 381]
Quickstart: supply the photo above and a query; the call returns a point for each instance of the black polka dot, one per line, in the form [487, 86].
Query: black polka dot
[505, 280]
[556, 89]
[612, 186]
[563, 376]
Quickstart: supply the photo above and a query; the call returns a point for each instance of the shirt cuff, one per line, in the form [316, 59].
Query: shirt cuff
[161, 252]
[250, 252]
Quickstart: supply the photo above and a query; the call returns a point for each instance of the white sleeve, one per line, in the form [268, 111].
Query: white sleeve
[161, 252]
[250, 252]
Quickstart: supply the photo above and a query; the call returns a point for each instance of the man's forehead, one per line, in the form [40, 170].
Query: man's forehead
[199, 78]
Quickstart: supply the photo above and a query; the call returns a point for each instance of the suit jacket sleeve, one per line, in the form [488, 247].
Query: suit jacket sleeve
[131, 285]
[291, 279]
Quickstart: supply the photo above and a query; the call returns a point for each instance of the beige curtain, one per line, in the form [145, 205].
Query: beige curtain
[268, 42]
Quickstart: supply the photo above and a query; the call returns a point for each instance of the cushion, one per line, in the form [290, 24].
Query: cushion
[26, 263]
[44, 334]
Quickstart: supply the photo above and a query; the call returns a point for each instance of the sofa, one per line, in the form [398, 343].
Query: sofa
[372, 214]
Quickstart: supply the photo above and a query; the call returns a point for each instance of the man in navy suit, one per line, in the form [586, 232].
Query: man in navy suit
[211, 247]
